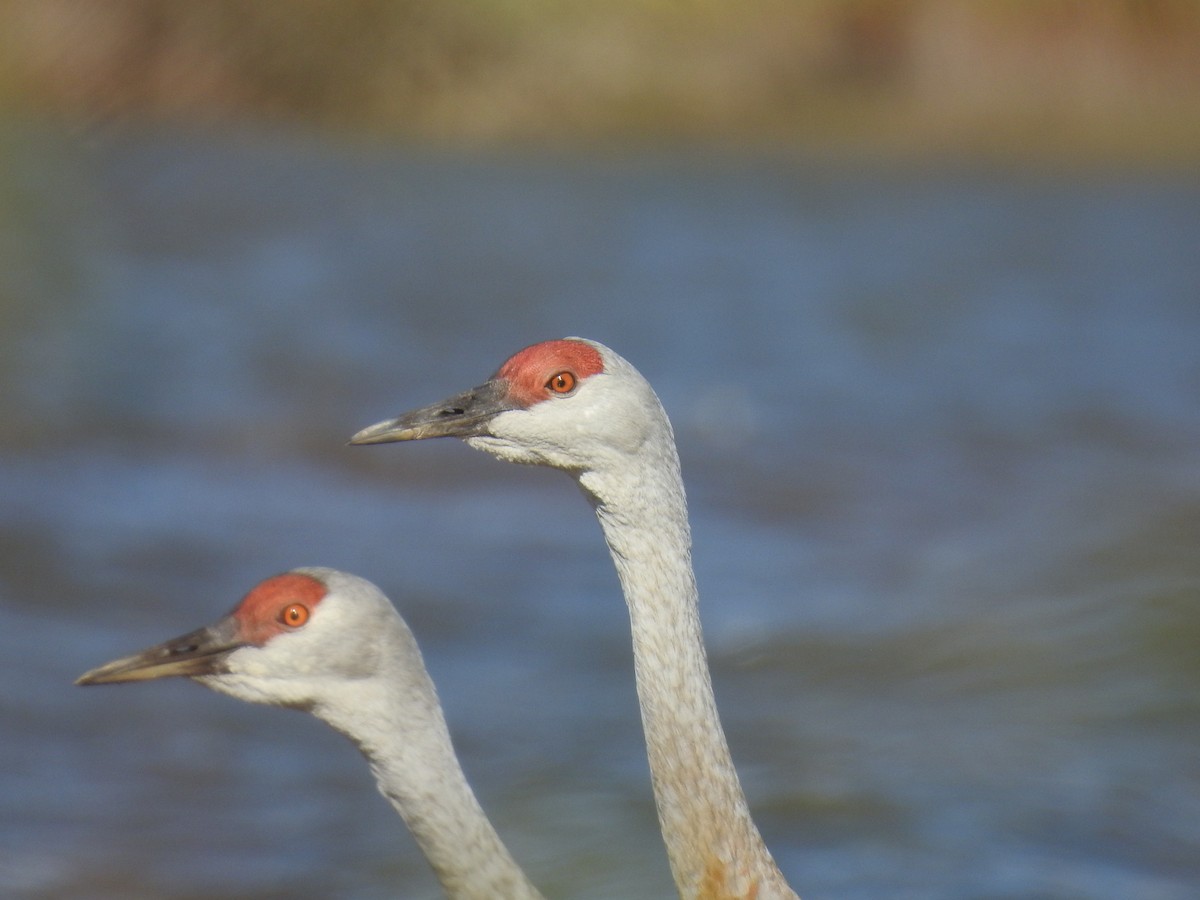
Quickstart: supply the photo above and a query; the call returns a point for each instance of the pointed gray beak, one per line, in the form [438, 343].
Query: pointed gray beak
[463, 415]
[200, 652]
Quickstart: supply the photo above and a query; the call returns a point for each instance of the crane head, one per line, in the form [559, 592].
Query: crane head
[291, 640]
[570, 404]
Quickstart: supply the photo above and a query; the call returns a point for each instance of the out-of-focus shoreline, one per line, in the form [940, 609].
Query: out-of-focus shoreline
[1086, 82]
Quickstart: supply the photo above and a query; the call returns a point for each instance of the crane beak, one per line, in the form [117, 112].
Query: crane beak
[200, 652]
[463, 415]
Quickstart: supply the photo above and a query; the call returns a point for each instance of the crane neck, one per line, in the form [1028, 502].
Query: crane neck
[713, 845]
[395, 719]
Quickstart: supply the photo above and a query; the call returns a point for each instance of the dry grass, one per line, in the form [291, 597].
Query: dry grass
[1073, 76]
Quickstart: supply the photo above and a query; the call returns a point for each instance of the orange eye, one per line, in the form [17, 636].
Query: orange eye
[295, 615]
[562, 383]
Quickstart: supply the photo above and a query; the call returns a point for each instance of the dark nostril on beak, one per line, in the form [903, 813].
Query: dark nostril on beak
[453, 411]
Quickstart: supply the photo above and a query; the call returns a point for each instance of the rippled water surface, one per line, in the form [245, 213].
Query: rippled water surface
[941, 434]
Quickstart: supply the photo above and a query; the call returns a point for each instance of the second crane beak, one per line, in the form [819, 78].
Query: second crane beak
[200, 652]
[463, 415]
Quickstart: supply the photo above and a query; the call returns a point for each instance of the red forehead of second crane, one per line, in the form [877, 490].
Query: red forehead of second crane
[260, 614]
[528, 370]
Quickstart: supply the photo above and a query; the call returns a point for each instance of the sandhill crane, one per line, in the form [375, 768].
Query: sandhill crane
[576, 405]
[332, 644]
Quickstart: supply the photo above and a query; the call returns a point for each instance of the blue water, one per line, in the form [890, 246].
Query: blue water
[941, 434]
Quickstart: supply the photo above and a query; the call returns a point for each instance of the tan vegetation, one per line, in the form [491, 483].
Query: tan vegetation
[1109, 77]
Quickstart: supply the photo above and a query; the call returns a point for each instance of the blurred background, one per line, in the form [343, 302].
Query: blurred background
[1070, 79]
[918, 282]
